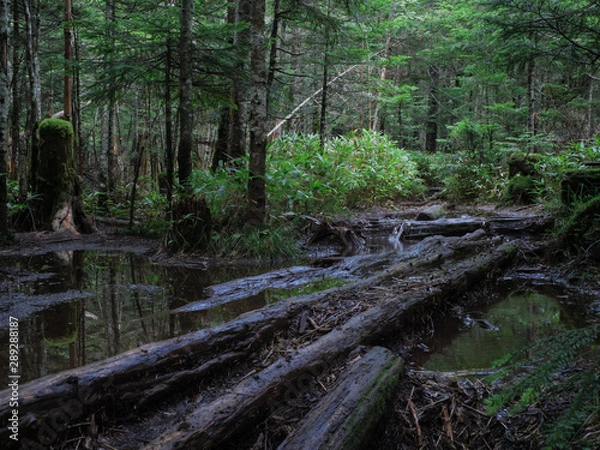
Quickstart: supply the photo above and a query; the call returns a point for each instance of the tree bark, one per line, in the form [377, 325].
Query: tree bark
[186, 110]
[169, 160]
[32, 28]
[58, 204]
[4, 106]
[109, 140]
[257, 199]
[431, 125]
[68, 87]
[346, 417]
[239, 88]
[143, 376]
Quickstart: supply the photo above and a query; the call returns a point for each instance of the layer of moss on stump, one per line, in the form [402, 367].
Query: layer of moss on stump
[580, 184]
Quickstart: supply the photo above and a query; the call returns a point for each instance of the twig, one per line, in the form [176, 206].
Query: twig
[413, 410]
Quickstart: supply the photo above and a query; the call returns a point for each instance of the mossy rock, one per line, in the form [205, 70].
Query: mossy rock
[580, 184]
[521, 190]
[523, 164]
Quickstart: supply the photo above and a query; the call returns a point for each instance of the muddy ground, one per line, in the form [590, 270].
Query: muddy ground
[428, 411]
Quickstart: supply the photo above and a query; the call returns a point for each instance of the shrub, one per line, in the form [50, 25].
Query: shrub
[521, 190]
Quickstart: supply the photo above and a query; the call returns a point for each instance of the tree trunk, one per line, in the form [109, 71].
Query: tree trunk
[58, 204]
[4, 106]
[169, 160]
[324, 95]
[17, 88]
[68, 88]
[239, 89]
[140, 147]
[431, 126]
[186, 110]
[32, 27]
[110, 110]
[256, 206]
[273, 50]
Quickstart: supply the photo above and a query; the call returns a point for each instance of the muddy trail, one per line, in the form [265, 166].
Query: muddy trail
[320, 370]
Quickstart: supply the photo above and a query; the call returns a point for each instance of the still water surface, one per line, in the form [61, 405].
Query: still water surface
[79, 307]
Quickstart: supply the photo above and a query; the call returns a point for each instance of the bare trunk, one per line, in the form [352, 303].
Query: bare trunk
[169, 127]
[256, 207]
[4, 106]
[186, 111]
[431, 126]
[16, 96]
[324, 94]
[239, 89]
[68, 88]
[109, 134]
[32, 27]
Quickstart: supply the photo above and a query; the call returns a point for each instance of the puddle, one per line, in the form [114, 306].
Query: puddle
[473, 339]
[79, 307]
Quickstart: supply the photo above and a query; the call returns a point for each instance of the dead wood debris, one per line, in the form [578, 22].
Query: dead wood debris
[437, 412]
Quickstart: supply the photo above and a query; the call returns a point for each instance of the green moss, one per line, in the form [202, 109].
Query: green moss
[522, 163]
[582, 228]
[580, 184]
[62, 340]
[55, 169]
[61, 129]
[521, 189]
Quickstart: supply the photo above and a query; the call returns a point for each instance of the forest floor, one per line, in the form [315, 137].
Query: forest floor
[429, 411]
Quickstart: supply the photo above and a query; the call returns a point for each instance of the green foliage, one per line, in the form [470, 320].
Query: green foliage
[225, 192]
[521, 190]
[350, 171]
[465, 176]
[579, 231]
[273, 243]
[539, 372]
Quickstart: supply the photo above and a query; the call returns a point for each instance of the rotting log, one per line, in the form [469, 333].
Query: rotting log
[346, 416]
[459, 226]
[210, 424]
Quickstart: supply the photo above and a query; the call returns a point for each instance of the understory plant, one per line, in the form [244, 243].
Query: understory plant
[356, 170]
[550, 370]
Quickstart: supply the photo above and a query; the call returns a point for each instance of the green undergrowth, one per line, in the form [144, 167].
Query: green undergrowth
[550, 371]
[362, 170]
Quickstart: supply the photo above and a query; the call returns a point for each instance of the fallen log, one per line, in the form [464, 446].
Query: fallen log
[210, 424]
[346, 416]
[459, 226]
[49, 405]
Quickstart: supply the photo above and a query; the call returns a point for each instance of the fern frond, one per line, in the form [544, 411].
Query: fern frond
[549, 358]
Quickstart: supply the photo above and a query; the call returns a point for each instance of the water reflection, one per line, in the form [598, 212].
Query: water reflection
[78, 307]
[473, 340]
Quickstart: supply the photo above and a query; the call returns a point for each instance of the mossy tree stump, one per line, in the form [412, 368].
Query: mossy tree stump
[522, 178]
[192, 224]
[58, 204]
[581, 184]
